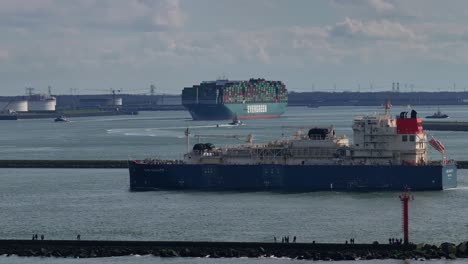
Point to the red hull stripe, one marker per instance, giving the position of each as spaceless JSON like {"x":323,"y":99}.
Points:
{"x":241,"y":117}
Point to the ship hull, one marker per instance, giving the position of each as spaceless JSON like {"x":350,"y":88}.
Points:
{"x":145,"y":177}
{"x":229,"y":111}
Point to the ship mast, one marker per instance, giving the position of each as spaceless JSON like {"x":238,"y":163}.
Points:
{"x":187,"y":136}
{"x":388,"y":105}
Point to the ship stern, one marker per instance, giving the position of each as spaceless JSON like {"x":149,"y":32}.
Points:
{"x":449,"y":176}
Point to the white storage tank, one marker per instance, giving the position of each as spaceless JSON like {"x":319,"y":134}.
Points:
{"x":41,"y":103}
{"x":13,"y":105}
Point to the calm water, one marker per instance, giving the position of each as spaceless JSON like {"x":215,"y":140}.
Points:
{"x":96,"y":203}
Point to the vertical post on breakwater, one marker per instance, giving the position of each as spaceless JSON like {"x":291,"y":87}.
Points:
{"x":404,"y":198}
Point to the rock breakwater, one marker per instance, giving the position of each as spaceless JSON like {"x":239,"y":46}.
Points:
{"x":311,"y":251}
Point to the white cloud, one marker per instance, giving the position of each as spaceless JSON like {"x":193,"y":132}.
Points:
{"x":117,"y":15}
{"x":24,"y":7}
{"x":92,"y":38}
{"x":169,"y":14}
{"x":4,"y":55}
{"x":381,"y":5}
{"x":376,"y":5}
{"x":382,"y":29}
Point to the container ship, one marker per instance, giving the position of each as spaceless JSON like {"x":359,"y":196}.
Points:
{"x":388,"y":153}
{"x":224,"y":99}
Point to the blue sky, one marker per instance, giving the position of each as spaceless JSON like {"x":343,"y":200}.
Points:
{"x":94,"y":45}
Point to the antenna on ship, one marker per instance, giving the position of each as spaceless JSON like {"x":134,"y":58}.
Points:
{"x":388,"y":105}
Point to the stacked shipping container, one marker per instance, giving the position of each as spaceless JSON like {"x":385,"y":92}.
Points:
{"x":255,"y":91}
{"x":252,"y":91}
{"x":224,"y":99}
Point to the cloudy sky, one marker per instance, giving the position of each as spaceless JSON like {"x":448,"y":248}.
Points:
{"x":93,"y":45}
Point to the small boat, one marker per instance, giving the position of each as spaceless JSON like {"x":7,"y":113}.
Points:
{"x":61,"y":119}
{"x":438,"y":114}
{"x":236,"y":122}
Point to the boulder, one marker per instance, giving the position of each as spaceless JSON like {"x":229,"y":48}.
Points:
{"x":185,"y":252}
{"x":262,"y":250}
{"x":420,"y":246}
{"x":462,"y":249}
{"x":166,"y":253}
{"x":448,"y":248}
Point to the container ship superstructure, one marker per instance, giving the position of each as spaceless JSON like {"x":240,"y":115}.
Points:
{"x":225,"y":99}
{"x":387,"y":153}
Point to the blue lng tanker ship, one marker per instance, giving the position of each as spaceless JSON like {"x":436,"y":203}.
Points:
{"x":388,"y":153}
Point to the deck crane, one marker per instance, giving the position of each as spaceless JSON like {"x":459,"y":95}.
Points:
{"x":248,"y":138}
{"x":300,"y":133}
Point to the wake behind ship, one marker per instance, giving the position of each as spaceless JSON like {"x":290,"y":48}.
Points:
{"x":388,"y":153}
{"x":224,"y":99}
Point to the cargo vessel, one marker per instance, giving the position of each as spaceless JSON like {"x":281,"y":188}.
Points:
{"x":225,"y":99}
{"x":388,"y":153}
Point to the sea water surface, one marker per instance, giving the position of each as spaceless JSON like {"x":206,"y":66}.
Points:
{"x":96,"y":203}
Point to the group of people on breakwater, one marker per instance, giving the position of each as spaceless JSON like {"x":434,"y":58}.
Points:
{"x":36,"y":237}
{"x":395,"y":241}
{"x":285,"y":239}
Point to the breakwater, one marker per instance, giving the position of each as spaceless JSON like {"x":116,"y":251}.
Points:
{"x":445,"y":125}
{"x":95,"y":164}
{"x":312,"y":251}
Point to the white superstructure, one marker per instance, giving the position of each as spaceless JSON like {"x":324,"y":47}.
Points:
{"x":378,"y":140}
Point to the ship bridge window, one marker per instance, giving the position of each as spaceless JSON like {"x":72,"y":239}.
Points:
{"x":412,"y":138}
{"x":404,"y":138}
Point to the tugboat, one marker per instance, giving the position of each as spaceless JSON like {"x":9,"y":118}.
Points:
{"x":438,"y":114}
{"x":61,"y":119}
